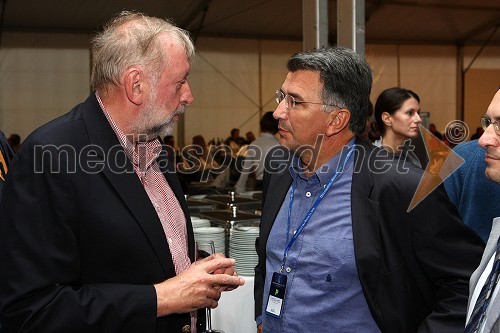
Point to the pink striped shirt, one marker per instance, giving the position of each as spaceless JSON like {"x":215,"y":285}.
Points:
{"x":143,"y":156}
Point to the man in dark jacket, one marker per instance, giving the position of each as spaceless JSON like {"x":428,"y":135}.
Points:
{"x":339,"y":249}
{"x":95,"y":233}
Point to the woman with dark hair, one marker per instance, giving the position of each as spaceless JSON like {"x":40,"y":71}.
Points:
{"x":397,"y":116}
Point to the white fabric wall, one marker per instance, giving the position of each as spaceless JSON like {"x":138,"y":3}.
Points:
{"x":41,"y":77}
{"x":430,"y":71}
{"x":228,"y":89}
{"x":233,"y":80}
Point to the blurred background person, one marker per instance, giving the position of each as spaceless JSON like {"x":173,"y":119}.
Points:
{"x":196,"y":153}
{"x":397,"y":116}
{"x":173,"y":152}
{"x":435,"y":132}
{"x":250,"y":137}
{"x":256,"y":153}
{"x":14,"y":141}
{"x":197,"y":162}
{"x":235,"y":141}
{"x":477,"y":134}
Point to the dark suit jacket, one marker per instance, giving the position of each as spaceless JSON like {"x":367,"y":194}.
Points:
{"x":492,"y":321}
{"x":6,"y":155}
{"x":414,"y":267}
{"x":81,"y":244}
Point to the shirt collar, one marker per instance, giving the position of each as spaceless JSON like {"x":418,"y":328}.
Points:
{"x":325,"y":172}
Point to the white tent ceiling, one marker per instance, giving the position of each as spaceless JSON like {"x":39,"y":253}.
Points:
{"x":454,"y":22}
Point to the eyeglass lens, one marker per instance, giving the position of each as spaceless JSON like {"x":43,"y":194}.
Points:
{"x":289,"y":100}
{"x":485,"y":122}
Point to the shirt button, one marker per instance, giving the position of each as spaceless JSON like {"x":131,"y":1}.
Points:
{"x":288,"y":269}
{"x":308,"y":194}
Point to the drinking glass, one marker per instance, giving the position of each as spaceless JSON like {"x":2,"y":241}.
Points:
{"x":209,"y":247}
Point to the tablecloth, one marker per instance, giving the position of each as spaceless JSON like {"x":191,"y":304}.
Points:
{"x":235,"y":313}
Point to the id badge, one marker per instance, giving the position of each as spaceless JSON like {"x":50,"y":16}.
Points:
{"x":276,"y":295}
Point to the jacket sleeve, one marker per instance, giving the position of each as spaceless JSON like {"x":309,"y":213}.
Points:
{"x":449,"y":252}
{"x":260,"y":269}
{"x":41,"y":288}
{"x":420,"y":280}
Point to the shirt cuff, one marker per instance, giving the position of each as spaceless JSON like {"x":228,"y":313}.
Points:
{"x":258,"y":320}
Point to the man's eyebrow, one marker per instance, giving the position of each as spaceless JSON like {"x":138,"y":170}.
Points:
{"x":495,"y":118}
{"x":296,"y":96}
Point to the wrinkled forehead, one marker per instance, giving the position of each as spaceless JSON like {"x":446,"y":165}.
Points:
{"x":302,"y":82}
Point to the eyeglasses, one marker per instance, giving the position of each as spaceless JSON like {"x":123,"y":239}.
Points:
{"x":485,"y":122}
{"x":291,"y":102}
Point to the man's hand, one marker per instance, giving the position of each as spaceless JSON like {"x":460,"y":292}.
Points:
{"x":227,"y":270}
{"x":197,"y":287}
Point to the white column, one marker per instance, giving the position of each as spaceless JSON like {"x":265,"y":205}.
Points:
{"x":351,"y":25}
{"x":314,"y":23}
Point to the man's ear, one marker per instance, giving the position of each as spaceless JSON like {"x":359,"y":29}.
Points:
{"x":133,"y":86}
{"x":339,"y":120}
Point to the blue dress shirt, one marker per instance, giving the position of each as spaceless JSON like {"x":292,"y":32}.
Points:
{"x":323,"y":292}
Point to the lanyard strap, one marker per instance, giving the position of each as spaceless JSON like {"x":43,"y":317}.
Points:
{"x":311,"y":211}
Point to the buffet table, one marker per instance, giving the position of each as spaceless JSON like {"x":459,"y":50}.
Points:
{"x":235,"y":313}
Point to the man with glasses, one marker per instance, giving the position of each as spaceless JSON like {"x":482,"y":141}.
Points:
{"x":483,"y":313}
{"x":338,"y":249}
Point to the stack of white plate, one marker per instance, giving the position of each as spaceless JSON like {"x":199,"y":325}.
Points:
{"x":242,"y":249}
{"x":215,"y":234}
{"x":199,"y":222}
{"x":249,"y":194}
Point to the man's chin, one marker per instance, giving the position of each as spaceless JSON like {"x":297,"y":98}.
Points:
{"x":284,"y":143}
{"x":153,"y":134}
{"x":168,"y":129}
{"x":492,"y":174}
{"x":288,"y":145}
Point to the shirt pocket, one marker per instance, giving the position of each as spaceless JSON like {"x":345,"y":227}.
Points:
{"x":333,"y":267}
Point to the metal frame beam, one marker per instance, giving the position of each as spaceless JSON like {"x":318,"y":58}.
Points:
{"x":351,"y":25}
{"x":314,"y":24}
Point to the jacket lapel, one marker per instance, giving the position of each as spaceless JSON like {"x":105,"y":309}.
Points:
{"x":277,"y":181}
{"x":120,"y":174}
{"x":494,"y":307}
{"x":278,"y":188}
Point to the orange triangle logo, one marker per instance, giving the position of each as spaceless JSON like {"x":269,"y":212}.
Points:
{"x":443,"y":161}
